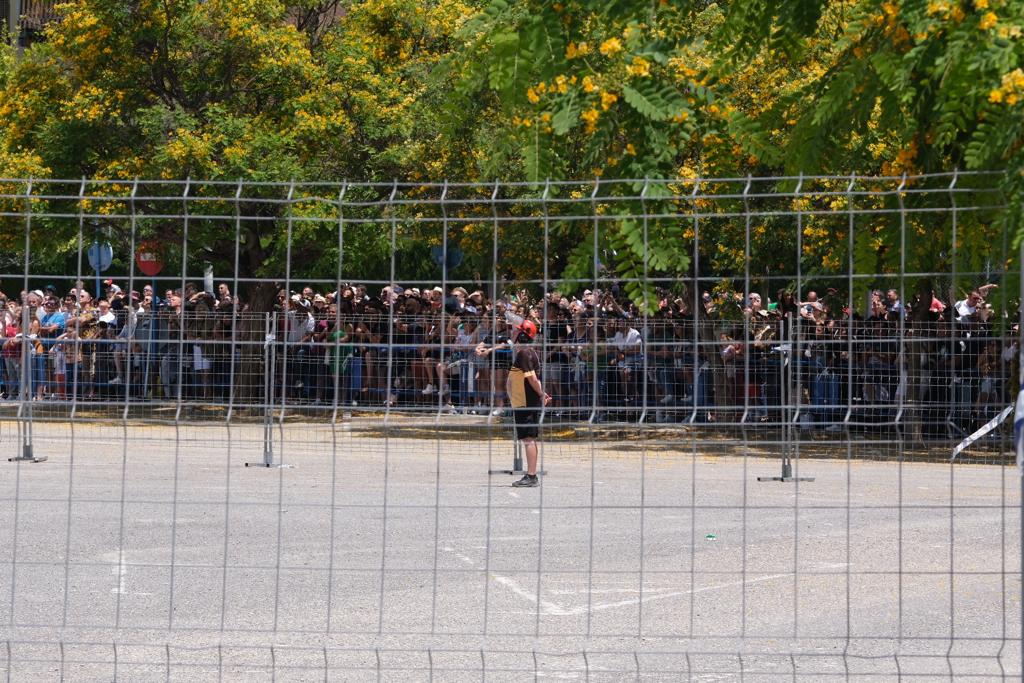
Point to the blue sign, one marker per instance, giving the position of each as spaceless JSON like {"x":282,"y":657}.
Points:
{"x":100,"y":256}
{"x":451,"y":259}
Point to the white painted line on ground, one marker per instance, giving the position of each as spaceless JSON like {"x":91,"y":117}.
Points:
{"x":675,"y":594}
{"x":547,"y":607}
{"x":598,"y":591}
{"x":460,"y":556}
{"x":121,"y":571}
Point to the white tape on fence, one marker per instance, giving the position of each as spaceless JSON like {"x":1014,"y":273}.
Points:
{"x":985,"y":429}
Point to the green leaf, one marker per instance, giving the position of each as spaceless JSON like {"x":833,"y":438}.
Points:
{"x":538,"y":157}
{"x":646,"y":102}
{"x":566,"y":117}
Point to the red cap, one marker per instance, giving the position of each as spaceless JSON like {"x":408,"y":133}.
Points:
{"x":528,"y":327}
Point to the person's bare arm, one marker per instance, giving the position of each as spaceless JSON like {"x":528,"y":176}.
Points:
{"x":537,"y":387}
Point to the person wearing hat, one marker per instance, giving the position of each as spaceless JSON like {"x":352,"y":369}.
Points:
{"x":526,"y":394}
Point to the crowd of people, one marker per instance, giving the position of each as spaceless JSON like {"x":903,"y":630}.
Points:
{"x":742,"y":357}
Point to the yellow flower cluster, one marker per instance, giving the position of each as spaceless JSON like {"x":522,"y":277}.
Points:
{"x":639,"y":67}
{"x":1011,"y":90}
{"x":562,"y":83}
{"x":611,"y":47}
{"x":575,"y":50}
{"x":588,"y":84}
{"x":904,"y":161}
{"x":988,"y":20}
{"x":607,"y":100}
{"x":590,"y":117}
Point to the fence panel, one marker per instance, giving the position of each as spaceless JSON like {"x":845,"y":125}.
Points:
{"x":272,"y":435}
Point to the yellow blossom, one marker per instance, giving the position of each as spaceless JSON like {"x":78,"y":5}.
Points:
{"x":631,"y":150}
{"x":640,"y":67}
{"x":574,"y":50}
{"x":996,"y":96}
{"x":610,"y":47}
{"x":588,"y":84}
{"x":531,"y":95}
{"x":590,"y":117}
{"x":957,"y":14}
{"x":607,"y":100}
{"x":980,"y":4}
{"x":988,"y":21}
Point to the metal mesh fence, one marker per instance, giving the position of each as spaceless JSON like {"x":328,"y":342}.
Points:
{"x":777,"y":445}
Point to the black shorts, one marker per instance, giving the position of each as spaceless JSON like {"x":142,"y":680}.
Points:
{"x":526,"y":420}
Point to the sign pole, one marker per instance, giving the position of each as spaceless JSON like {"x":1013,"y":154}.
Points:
{"x":96,"y":262}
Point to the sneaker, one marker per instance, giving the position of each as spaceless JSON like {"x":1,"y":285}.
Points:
{"x":668,"y":399}
{"x":116,"y":380}
{"x":497,"y":412}
{"x":428,"y":390}
{"x":528,"y":480}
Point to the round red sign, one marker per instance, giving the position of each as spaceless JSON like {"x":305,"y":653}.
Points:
{"x":149,"y":258}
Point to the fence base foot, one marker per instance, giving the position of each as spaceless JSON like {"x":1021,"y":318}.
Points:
{"x":785,"y":478}
{"x":515,"y":472}
{"x":269,"y":465}
{"x":26,"y":455}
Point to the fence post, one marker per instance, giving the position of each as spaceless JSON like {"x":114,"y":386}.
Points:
{"x":269,"y":374}
{"x":26,"y":385}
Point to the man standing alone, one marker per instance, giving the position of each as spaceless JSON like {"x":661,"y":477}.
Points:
{"x":526,"y":394}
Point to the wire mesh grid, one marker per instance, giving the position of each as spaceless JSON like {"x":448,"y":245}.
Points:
{"x":757,"y":386}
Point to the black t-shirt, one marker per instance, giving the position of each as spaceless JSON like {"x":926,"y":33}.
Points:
{"x":525,"y":365}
